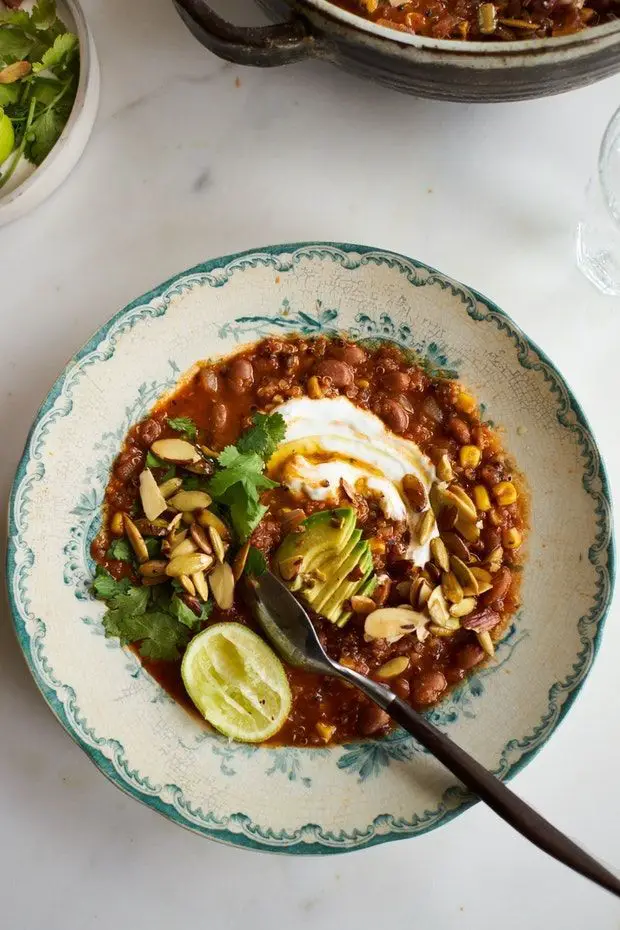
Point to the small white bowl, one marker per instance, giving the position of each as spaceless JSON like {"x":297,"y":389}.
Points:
{"x":35,"y":188}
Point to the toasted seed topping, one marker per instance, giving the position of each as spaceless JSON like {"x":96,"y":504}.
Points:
{"x":437,"y":607}
{"x":117,"y":525}
{"x":392,"y":623}
{"x":154,"y":568}
{"x":153,"y":502}
{"x":439,"y":553}
{"x":202,"y":587}
{"x":466,"y":579}
{"x":200,"y":538}
{"x":451,"y":588}
{"x":216,"y":542}
{"x":188,"y":585}
{"x":170,"y":487}
{"x":188,"y":501}
{"x":188,"y":564}
{"x":444,"y":468}
{"x":222,"y":585}
{"x":176,"y":450}
{"x":136,"y":539}
{"x":183,"y":547}
{"x":206,"y":518}
{"x":456,"y":546}
{"x":393,"y":668}
{"x":464,"y":607}
{"x":362,"y":605}
{"x":486,"y":642}
{"x":240,"y":560}
{"x":426,"y":525}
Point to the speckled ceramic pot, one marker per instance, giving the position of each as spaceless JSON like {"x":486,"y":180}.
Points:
{"x":288,"y":799}
{"x":447,"y":70}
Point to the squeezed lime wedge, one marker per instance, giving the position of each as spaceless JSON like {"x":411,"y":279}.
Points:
{"x":7,"y":136}
{"x":237,"y":682}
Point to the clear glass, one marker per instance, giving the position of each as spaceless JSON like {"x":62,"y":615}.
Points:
{"x":598,"y":233}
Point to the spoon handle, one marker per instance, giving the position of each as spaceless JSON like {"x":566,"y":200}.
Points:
{"x":489,"y":789}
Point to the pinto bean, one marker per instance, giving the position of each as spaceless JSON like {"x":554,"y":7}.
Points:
{"x":394,"y":416}
{"x":428,"y":687}
{"x":240,"y":375}
{"x":373,"y":719}
{"x":459,"y":429}
{"x":400,"y":687}
{"x":470,"y":656}
{"x":352,"y":355}
{"x":149,"y":431}
{"x":491,"y":474}
{"x":396,"y":381}
{"x":127,"y":464}
{"x":219,"y":416}
{"x":209,"y":381}
{"x":501,"y":585}
{"x":340,"y":373}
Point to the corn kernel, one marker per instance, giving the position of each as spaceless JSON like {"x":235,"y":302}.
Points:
{"x":377,"y":545}
{"x":117,"y":524}
{"x":481,"y":498}
{"x":505,"y":493}
{"x":314,"y":388}
{"x":469,"y":456}
{"x":465,"y":402}
{"x":325,"y":730}
{"x":363,"y":383}
{"x":512,"y":538}
{"x":495,"y":517}
{"x":444,"y":468}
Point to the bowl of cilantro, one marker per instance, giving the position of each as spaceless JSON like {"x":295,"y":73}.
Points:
{"x":49,"y":95}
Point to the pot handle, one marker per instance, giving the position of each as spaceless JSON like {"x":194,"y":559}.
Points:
{"x":261,"y":46}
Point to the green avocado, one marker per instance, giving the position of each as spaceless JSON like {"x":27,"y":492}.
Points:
{"x":327,"y":562}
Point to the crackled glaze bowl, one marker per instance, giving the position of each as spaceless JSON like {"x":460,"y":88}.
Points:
{"x":285,"y":799}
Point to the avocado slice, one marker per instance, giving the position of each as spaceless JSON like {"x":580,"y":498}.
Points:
{"x":318,"y":561}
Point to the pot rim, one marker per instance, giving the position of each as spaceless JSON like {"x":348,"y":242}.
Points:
{"x":521,"y":48}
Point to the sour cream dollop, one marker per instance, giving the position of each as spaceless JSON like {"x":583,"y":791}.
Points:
{"x":330,"y":440}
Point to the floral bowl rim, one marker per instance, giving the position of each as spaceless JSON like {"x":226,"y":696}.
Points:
{"x":308,"y":839}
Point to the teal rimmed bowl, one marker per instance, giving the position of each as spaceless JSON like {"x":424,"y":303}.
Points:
{"x":284,"y":799}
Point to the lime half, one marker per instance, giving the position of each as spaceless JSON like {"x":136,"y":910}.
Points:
{"x":7,"y":136}
{"x":237,"y":682}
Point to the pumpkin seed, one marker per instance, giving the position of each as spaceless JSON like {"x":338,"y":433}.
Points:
{"x":206,"y":518}
{"x":150,"y":582}
{"x":486,"y":642}
{"x":456,"y":546}
{"x":464,"y":607}
{"x":153,"y":502}
{"x":484,"y":586}
{"x":494,"y":562}
{"x":437,"y":607}
{"x":468,"y":530}
{"x":439,"y":554}
{"x":393,"y":668}
{"x":292,"y":520}
{"x":174,"y":522}
{"x":362,"y":605}
{"x":403,"y":589}
{"x":240,"y":560}
{"x":188,"y":517}
{"x":154,"y":568}
{"x":444,"y":468}
{"x":451,"y":588}
{"x":216,"y":542}
{"x":392,"y":623}
{"x":480,"y":574}
{"x":463,"y":502}
{"x":200,"y":538}
{"x":188,"y":585}
{"x":382,"y":589}
{"x":289,"y":568}
{"x":464,"y":575}
{"x":449,"y":629}
{"x":117,"y":526}
{"x":433,"y":573}
{"x":152,"y":527}
{"x":446,"y":518}
{"x":136,"y":539}
{"x":202,"y":587}
{"x":176,"y":450}
{"x":170,"y":487}
{"x":222,"y":585}
{"x":188,"y":501}
{"x":425,"y":527}
{"x":188,"y":564}
{"x":183,"y":547}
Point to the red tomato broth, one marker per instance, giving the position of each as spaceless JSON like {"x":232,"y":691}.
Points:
{"x":222,"y":405}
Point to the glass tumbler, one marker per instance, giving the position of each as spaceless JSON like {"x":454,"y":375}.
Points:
{"x":598,"y":232}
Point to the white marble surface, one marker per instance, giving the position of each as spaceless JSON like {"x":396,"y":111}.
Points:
{"x":193,"y":158}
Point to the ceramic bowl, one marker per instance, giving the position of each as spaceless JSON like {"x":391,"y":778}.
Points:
{"x":19,"y":199}
{"x":478,"y":72}
{"x":286,"y":799}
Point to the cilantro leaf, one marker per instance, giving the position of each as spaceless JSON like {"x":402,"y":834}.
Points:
{"x":195,"y":483}
{"x":9,"y":93}
{"x":58,"y":56}
{"x":255,"y":564}
{"x":184,"y":614}
{"x":153,"y":461}
{"x":15,"y":44}
{"x":159,"y":635}
{"x":153,"y":546}
{"x":43,"y":15}
{"x":121,"y":550}
{"x":184,"y":425}
{"x":106,"y":587}
{"x":44,"y":133}
{"x":247,"y":468}
{"x":264,"y":436}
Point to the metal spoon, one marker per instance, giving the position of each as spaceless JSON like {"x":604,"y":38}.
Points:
{"x":289,"y":628}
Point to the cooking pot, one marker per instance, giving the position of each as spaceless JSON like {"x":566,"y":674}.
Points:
{"x":437,"y":68}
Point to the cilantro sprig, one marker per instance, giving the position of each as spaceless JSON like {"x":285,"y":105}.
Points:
{"x":39,"y":75}
{"x":185,"y":426}
{"x":240,"y":480}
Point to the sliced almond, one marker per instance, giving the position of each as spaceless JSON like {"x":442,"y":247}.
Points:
{"x":206,"y":518}
{"x":439,"y":554}
{"x":154,"y":568}
{"x":216,"y":542}
{"x":464,"y":575}
{"x":188,"y":585}
{"x":15,"y":72}
{"x":183,"y":547}
{"x":240,"y":560}
{"x":136,"y":539}
{"x":392,"y":623}
{"x":153,"y":501}
{"x":174,"y":522}
{"x":170,"y":487}
{"x":486,"y":642}
{"x":438,"y":608}
{"x":425,"y":527}
{"x":464,"y":607}
{"x":449,"y":628}
{"x":451,"y":588}
{"x":423,"y":593}
{"x":188,"y":564}
{"x":200,"y":538}
{"x":362,"y":605}
{"x":494,"y":561}
{"x":222,"y":585}
{"x":176,"y":450}
{"x":188,"y":501}
{"x":456,"y":546}
{"x":202,"y":586}
{"x":393,"y":668}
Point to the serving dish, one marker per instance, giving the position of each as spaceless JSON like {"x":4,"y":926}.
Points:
{"x":361,"y":793}
{"x":443,"y":69}
{"x":27,"y":189}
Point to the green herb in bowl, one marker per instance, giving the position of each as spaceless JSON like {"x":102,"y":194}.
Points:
{"x":39,"y":73}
